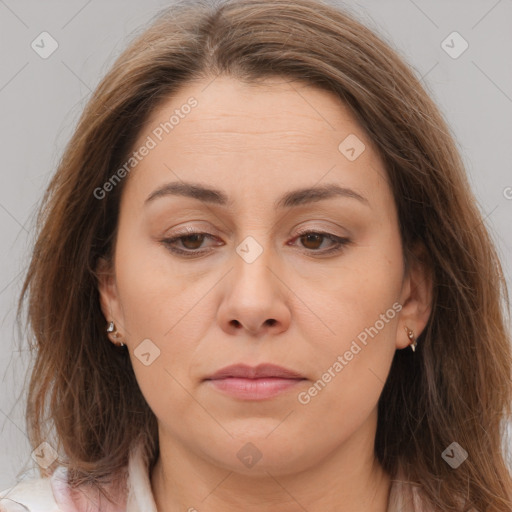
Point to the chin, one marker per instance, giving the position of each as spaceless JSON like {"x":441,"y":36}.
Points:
{"x":261,"y":454}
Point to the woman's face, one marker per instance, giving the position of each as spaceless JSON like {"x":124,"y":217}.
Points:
{"x":253,"y":288}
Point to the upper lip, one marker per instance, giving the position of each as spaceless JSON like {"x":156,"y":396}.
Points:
{"x":255,"y":372}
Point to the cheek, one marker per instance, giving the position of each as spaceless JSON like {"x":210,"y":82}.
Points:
{"x":365,"y":282}
{"x":161,"y":305}
{"x":160,"y":330}
{"x":152,"y":294}
{"x":359,"y":304}
{"x":152,"y":304}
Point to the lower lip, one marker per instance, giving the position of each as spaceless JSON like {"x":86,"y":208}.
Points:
{"x":254,"y":389}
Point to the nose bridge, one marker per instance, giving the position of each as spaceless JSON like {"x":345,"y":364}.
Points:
{"x":254,"y":259}
{"x":257,"y":260}
{"x":255,"y":232}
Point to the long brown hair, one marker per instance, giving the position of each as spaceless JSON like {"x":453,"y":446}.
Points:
{"x":456,"y":387}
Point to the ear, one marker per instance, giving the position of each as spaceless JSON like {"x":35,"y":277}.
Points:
{"x":109,"y":297}
{"x":416,"y":296}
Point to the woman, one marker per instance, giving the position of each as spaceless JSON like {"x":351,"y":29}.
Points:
{"x":261,"y":282}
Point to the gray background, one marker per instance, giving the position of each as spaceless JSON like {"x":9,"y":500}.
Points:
{"x":40,"y":101}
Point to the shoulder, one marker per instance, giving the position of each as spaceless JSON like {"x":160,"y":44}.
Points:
{"x":35,"y":495}
{"x":53,"y":494}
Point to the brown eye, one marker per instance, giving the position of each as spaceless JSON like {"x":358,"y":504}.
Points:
{"x":313,"y":243}
{"x":312,"y":240}
{"x":192,"y":242}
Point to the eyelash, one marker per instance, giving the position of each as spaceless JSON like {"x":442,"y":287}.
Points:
{"x":340,"y":243}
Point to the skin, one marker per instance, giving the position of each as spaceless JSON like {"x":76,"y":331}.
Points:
{"x":255,"y":143}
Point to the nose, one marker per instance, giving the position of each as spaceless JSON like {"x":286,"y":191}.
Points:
{"x":255,"y":300}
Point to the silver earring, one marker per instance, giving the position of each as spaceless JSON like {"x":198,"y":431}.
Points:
{"x":113,"y":334}
{"x":411,"y":337}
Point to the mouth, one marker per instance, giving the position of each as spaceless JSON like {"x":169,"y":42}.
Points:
{"x":254,"y":383}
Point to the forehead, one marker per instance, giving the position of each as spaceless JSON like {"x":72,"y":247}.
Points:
{"x":265,"y":136}
{"x":245,"y":111}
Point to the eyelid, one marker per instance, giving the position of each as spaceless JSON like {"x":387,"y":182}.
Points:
{"x":313,"y":229}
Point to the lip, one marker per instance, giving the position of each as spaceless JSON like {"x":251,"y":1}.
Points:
{"x":254,"y":382}
{"x":264,"y":370}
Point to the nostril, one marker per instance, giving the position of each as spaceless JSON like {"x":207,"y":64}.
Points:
{"x":270,"y":322}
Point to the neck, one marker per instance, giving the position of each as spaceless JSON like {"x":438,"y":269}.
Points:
{"x":348,"y":480}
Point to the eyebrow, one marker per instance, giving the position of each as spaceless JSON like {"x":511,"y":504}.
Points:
{"x":291,"y":199}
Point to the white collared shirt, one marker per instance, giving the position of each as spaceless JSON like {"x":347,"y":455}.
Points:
{"x":53,"y":494}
